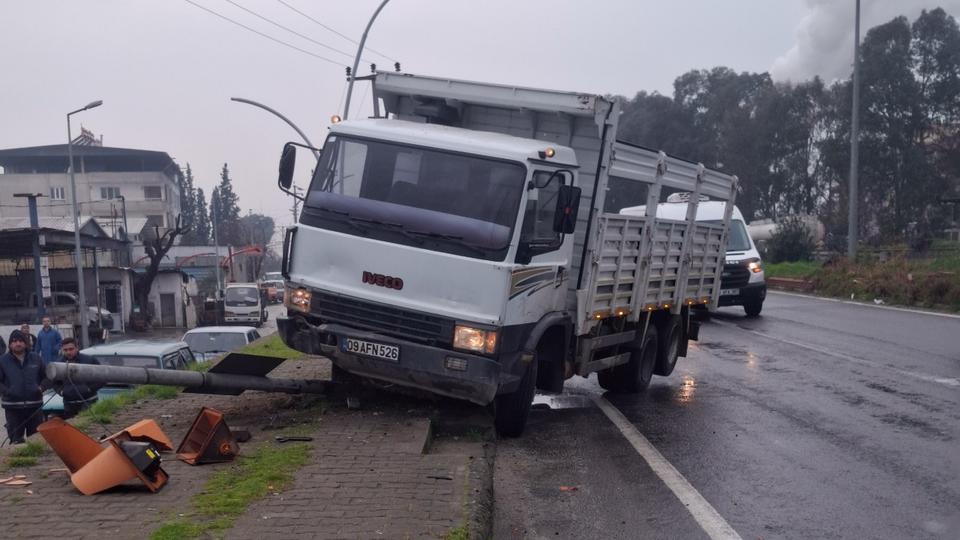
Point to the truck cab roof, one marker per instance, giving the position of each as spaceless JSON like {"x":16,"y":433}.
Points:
{"x":456,"y":139}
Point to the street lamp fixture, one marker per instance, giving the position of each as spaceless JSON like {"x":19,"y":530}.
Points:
{"x":77,"y":256}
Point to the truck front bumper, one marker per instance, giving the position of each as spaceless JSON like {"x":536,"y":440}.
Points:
{"x":420,"y":366}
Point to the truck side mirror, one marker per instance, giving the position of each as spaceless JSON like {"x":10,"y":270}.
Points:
{"x":568,"y":204}
{"x":288,"y":159}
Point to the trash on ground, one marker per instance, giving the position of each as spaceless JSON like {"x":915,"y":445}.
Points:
{"x":283,"y":439}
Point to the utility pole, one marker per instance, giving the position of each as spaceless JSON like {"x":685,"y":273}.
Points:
{"x":77,"y":255}
{"x":216,"y":247}
{"x":853,"y":217}
{"x":37,"y":271}
{"x":296,"y":202}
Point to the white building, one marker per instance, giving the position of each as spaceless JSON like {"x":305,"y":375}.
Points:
{"x":113,"y":184}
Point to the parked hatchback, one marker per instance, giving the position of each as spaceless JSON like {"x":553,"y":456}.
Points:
{"x":130,"y":353}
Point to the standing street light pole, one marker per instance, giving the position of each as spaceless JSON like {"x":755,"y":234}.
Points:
{"x":853,"y":217}
{"x":77,"y":258}
{"x":356,"y":60}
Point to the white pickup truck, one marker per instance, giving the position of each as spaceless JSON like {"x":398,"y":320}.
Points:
{"x":467,"y":241}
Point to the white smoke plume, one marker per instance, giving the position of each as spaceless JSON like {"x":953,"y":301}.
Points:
{"x":824,"y":38}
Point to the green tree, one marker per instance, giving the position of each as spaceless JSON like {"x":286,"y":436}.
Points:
{"x":200,"y":234}
{"x":225,"y":209}
{"x":258,"y":229}
{"x":188,"y":201}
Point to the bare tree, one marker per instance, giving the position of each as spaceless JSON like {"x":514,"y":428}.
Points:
{"x":156,"y":246}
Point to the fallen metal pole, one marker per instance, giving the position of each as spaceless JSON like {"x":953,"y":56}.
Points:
{"x":213,"y":383}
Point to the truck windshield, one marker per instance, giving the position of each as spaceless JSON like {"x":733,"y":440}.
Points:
{"x":427,"y":198}
{"x":241,"y":296}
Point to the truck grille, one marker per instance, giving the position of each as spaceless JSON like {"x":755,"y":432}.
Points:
{"x":383,"y":319}
{"x":734,"y":276}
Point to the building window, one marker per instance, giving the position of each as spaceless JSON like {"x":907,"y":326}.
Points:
{"x":155,"y":221}
{"x":57,"y":194}
{"x":109,"y":193}
{"x":153,"y":193}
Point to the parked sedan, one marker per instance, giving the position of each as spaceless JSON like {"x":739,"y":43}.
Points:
{"x":209,"y":342}
{"x":131,"y":353}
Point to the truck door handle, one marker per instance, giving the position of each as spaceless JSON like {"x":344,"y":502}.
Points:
{"x":288,"y":236}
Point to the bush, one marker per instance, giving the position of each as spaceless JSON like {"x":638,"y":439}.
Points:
{"x":792,"y":241}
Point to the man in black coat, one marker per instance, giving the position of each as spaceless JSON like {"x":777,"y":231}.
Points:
{"x":22,"y":382}
{"x":76,"y":395}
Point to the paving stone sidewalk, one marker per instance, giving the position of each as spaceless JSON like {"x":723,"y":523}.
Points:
{"x":366,"y":477}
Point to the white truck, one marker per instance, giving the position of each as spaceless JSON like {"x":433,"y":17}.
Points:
{"x":466,"y":241}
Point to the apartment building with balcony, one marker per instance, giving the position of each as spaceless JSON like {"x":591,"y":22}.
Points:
{"x":117,"y":186}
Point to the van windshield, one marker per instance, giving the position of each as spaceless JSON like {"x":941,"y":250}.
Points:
{"x":432,"y":199}
{"x":737,"y":240}
{"x":241,"y":296}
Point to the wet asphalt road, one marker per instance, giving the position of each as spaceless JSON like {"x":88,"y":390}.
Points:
{"x":818,"y":419}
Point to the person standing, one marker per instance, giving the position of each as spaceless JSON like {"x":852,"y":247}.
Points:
{"x":48,"y":342}
{"x":76,"y":396}
{"x":22,"y":384}
{"x":31,"y":339}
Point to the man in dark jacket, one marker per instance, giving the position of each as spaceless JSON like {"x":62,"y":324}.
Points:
{"x":31,"y":339}
{"x":76,"y":395}
{"x":22,"y":383}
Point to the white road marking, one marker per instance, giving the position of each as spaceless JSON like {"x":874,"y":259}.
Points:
{"x":947,"y":381}
{"x":706,"y":516}
{"x":861,"y":304}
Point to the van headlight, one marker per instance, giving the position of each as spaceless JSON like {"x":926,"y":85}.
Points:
{"x":755,"y":265}
{"x":298,"y":299}
{"x":474,"y":339}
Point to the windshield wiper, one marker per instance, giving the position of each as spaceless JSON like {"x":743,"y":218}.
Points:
{"x":395,"y":226}
{"x":348,"y":219}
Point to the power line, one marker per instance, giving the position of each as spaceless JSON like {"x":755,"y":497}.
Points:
{"x":348,"y":38}
{"x":259,"y":33}
{"x":288,"y":29}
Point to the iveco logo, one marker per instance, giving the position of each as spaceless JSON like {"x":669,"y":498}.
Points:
{"x":381,"y":280}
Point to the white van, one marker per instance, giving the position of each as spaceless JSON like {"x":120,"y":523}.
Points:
{"x":242,"y":304}
{"x":742,"y":282}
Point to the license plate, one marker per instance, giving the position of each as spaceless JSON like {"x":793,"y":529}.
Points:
{"x":369,"y":348}
{"x":729,"y":292}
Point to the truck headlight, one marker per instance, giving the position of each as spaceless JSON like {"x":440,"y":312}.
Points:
{"x":755,"y":265}
{"x":474,"y":339}
{"x":298,"y":299}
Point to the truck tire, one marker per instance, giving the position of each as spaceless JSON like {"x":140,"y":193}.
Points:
{"x":510,"y":411}
{"x":668,"y":348}
{"x":635,"y":375}
{"x":639,"y":370}
{"x":753,"y":307}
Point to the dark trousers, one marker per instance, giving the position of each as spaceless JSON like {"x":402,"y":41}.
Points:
{"x":73,"y":408}
{"x":22,"y":422}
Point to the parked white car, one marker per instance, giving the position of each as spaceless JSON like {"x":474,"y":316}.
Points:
{"x":209,"y":342}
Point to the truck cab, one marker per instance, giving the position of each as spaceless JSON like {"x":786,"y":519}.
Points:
{"x":243,"y":304}
{"x":420,"y":234}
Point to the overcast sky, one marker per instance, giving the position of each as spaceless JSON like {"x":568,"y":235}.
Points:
{"x":166,"y":69}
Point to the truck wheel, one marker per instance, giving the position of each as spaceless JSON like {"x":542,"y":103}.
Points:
{"x":753,"y":307}
{"x":510,"y":411}
{"x":669,"y":347}
{"x":639,"y":370}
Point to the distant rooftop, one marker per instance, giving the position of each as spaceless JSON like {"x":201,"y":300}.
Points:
{"x":53,"y":159}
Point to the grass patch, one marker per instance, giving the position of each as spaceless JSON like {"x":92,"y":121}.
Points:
{"x":229,"y":491}
{"x":14,"y":462}
{"x":796,"y":270}
{"x":103,"y":410}
{"x":461,"y":532}
{"x":26,"y":455}
{"x":271,"y":346}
